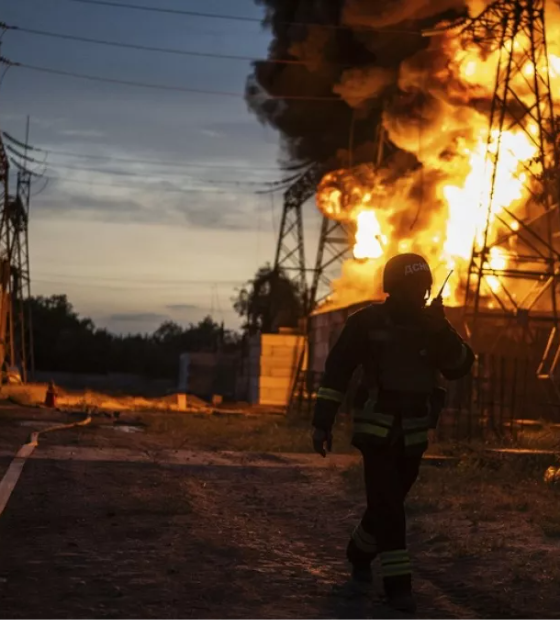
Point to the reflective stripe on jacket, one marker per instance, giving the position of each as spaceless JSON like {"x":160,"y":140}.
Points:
{"x":381,"y":428}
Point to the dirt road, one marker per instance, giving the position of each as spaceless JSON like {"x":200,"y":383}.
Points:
{"x":260,"y":538}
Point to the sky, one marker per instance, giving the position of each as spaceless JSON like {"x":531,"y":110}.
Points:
{"x":133,"y":243}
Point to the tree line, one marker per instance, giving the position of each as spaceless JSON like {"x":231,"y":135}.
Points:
{"x":65,"y":342}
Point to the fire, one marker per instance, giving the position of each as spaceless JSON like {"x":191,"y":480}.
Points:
{"x":369,"y":238}
{"x":497,"y":261}
{"x":452,"y":219}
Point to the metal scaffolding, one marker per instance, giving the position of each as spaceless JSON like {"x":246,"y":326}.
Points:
{"x":514,"y":270}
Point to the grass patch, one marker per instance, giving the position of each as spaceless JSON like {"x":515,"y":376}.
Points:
{"x":485,"y":503}
{"x":252,"y":433}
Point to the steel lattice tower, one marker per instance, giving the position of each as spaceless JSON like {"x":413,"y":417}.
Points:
{"x":21,"y":280}
{"x":6,"y":331}
{"x":528,"y":278}
{"x":16,"y":322}
{"x":335,"y":240}
{"x":290,"y":250}
{"x":335,"y":245}
{"x":333,"y":248}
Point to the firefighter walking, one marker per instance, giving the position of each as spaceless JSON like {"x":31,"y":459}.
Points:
{"x":402,"y":347}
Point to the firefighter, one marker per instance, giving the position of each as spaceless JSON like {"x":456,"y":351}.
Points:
{"x":402,"y":347}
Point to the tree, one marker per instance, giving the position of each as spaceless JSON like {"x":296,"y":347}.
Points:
{"x":65,"y":342}
{"x":269,"y":301}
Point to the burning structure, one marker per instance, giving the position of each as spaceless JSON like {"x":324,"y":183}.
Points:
{"x":433,"y":127}
{"x":461,"y":91}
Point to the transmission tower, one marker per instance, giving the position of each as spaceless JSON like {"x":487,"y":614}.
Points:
{"x":335,"y":245}
{"x":6,"y":339}
{"x":290,"y":252}
{"x":19,"y":333}
{"x":520,"y":288}
{"x":335,"y":240}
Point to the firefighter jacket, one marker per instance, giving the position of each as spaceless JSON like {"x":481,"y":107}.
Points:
{"x":402,"y":353}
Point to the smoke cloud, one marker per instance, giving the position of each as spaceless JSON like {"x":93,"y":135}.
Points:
{"x":371,"y":53}
{"x":343,"y":55}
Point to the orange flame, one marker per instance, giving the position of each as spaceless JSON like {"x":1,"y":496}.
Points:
{"x":369,"y":239}
{"x":463,"y":184}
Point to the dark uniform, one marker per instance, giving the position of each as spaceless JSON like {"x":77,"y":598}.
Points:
{"x":402,"y":347}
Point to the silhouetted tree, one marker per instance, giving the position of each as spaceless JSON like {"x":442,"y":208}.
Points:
{"x":65,"y":342}
{"x":269,"y":301}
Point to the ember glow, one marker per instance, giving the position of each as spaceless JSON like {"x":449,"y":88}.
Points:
{"x":441,"y":207}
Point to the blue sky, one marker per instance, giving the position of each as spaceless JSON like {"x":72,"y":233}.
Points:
{"x":131,"y":243}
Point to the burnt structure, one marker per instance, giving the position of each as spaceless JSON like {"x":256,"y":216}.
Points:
{"x":526,"y":298}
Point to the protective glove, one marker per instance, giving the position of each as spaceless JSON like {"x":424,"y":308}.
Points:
{"x":322,"y":441}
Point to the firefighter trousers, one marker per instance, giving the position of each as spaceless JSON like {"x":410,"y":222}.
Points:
{"x":389,"y":475}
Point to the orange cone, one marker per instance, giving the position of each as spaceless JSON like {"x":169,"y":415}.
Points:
{"x":50,"y":398}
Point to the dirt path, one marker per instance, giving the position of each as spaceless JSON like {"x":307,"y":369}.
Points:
{"x":83,"y":538}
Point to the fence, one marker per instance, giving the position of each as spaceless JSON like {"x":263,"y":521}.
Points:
{"x":499,"y":399}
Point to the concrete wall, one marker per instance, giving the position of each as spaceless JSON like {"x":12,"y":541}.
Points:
{"x":271,"y":365}
{"x":208,"y":374}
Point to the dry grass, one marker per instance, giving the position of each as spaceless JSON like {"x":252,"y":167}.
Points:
{"x":252,"y":433}
{"x":186,"y":431}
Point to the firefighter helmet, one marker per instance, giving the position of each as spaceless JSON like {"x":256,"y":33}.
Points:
{"x":406,"y":271}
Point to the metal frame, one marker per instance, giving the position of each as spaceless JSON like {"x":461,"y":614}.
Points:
{"x":15,"y":315}
{"x":290,"y":249}
{"x":6,"y":326}
{"x":516,"y":30}
{"x":333,"y":248}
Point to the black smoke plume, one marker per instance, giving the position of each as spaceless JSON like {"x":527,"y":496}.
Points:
{"x":341,"y":56}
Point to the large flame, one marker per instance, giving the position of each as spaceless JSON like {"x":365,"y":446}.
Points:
{"x":369,"y":238}
{"x":393,"y":215}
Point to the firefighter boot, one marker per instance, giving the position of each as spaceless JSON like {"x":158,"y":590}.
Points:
{"x":362,"y":577}
{"x":361,"y":574}
{"x":358,"y":584}
{"x":402,"y":601}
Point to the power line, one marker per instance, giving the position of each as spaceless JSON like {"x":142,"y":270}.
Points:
{"x":156,"y":162}
{"x":142,"y":284}
{"x":138,"y":187}
{"x":196,"y":91}
{"x":162,"y":50}
{"x":153,"y":162}
{"x":241,"y":18}
{"x":153,"y":9}
{"x":156,"y":280}
{"x":119,"y":287}
{"x":139,"y":175}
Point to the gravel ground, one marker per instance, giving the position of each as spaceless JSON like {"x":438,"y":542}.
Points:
{"x":151,"y":539}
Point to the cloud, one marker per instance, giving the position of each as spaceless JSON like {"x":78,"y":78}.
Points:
{"x":182,"y":307}
{"x":138,"y":316}
{"x":82,"y":133}
{"x":159,"y":202}
{"x":83,"y":206}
